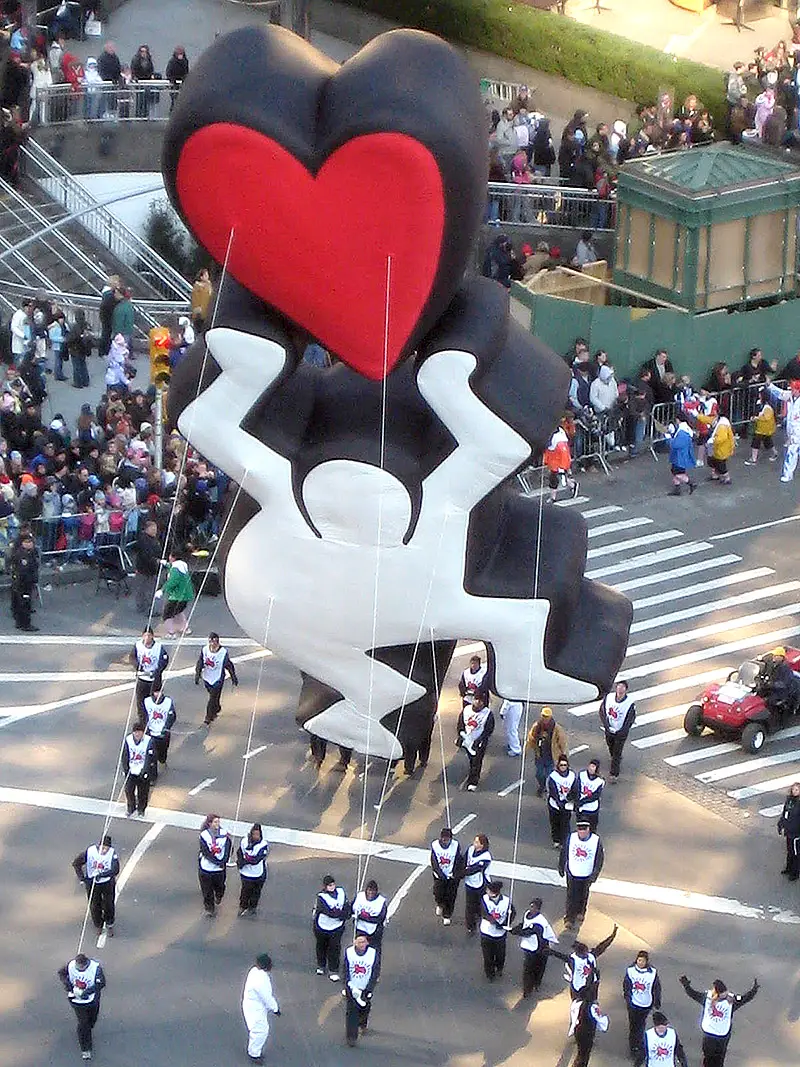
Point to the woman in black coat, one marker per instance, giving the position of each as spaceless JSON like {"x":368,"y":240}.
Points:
{"x":79,"y":346}
{"x":142,"y":70}
{"x":789,"y":826}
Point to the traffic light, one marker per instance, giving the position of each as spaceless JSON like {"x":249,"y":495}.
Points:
{"x":159,"y":355}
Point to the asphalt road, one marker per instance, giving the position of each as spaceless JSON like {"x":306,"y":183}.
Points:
{"x":691,"y":873}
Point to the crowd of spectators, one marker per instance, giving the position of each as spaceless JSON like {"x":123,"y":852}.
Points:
{"x":763,"y":97}
{"x":88,"y":488}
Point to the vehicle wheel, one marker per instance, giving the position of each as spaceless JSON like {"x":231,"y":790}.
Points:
{"x":753,"y":737}
{"x":693,"y":721}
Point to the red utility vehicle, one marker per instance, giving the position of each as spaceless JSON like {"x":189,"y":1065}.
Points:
{"x":737,"y":708}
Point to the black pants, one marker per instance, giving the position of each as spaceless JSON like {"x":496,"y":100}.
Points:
{"x":584,"y":1040}
{"x":494,"y":955}
{"x":144,"y":689}
{"x":212,"y":886}
{"x":792,"y":856}
{"x":472,"y":908}
{"x":329,"y":948}
{"x":592,"y":817}
{"x":637,"y":1021}
{"x":101,"y":902}
{"x":145,"y":585}
{"x":615,"y":743}
{"x":476,"y":763}
{"x":137,"y":793}
{"x":533,"y":966}
{"x":21,"y":607}
{"x":559,"y":824}
{"x":250,"y":893}
{"x":445,"y":891}
{"x":213,"y":707}
{"x":577,"y":897}
{"x":355,"y":1017}
{"x":714,"y":1049}
{"x":420,"y":750}
{"x":161,"y":746}
{"x":87,"y":1016}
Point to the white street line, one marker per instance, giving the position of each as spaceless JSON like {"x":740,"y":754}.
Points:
{"x":752,"y":529}
{"x":402,"y":892}
{"x":659,"y":739}
{"x":576,"y":750}
{"x":114,"y":641}
{"x":634,"y":542}
{"x":572,"y":503}
{"x":767,"y":640}
{"x":712,"y":629}
{"x":596,"y":513}
{"x":510,"y":788}
{"x":703,"y":753}
{"x":762,"y":593}
{"x":255,"y":752}
{"x":203,"y":785}
{"x":130,"y":866}
{"x":614,"y":527}
{"x":660,"y":715}
{"x":65,"y":676}
{"x":677,"y":572}
{"x":772,"y":786}
{"x":770,"y":813}
{"x":650,"y":559}
{"x":733,"y":770}
{"x":384,"y":850}
{"x":473,"y":648}
{"x":16,"y":713}
{"x":693,"y":681}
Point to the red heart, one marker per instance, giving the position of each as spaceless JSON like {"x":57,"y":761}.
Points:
{"x":323,"y":249}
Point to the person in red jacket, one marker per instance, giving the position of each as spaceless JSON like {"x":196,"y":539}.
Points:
{"x":558,"y":460}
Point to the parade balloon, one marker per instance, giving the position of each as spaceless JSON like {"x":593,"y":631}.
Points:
{"x":379,"y":519}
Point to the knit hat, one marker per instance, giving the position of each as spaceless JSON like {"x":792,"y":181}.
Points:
{"x":606,"y":372}
{"x":264,"y":961}
{"x":547,"y":713}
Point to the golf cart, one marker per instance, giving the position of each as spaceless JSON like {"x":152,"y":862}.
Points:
{"x":741,"y":707}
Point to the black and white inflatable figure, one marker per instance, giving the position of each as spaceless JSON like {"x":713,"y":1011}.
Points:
{"x":379,"y":519}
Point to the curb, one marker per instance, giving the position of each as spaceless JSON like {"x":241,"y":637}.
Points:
{"x":67,"y":574}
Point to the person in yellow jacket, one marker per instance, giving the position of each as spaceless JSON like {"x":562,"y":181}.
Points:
{"x":719,"y":448}
{"x":764,"y":425}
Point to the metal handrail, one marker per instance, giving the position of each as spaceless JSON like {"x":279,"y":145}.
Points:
{"x":105,"y":226}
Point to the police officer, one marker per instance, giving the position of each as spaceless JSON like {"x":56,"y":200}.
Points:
{"x":84,"y":980}
{"x":98,"y":868}
{"x":581,"y":860}
{"x":138,"y":763}
{"x":24,"y":562}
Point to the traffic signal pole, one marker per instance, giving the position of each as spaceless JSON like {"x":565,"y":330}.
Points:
{"x":159,"y":426}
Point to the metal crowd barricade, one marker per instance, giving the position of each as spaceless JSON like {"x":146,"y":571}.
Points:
{"x":550,"y":205}
{"x":138,"y":101}
{"x":48,"y":532}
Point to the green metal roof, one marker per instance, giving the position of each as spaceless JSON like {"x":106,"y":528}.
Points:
{"x":701,"y":171}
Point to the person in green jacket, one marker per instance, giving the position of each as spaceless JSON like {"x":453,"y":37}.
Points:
{"x":122,"y":317}
{"x":177,"y":592}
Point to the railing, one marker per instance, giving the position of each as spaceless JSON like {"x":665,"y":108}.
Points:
{"x":551,"y":206}
{"x":104,"y":102}
{"x":114,"y":235}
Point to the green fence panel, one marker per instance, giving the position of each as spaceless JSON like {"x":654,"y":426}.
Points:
{"x":611,"y":330}
{"x":558,"y":322}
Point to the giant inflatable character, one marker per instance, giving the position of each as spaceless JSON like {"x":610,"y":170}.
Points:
{"x":378,"y":520}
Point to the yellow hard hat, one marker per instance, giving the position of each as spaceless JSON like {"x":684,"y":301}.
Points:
{"x":779,"y":651}
{"x":547,"y":713}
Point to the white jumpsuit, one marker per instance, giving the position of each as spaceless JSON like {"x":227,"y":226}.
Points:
{"x":792,"y":429}
{"x":258,"y":1001}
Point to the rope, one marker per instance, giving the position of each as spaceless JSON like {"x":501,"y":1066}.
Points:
{"x":382,"y":457}
{"x":537,"y":564}
{"x":253,"y":713}
{"x":109,"y":816}
{"x":441,"y":734}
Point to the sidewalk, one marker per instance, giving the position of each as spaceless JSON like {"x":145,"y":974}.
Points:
{"x":706,"y":38}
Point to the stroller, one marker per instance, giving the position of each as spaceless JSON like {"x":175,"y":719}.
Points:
{"x":112,"y":571}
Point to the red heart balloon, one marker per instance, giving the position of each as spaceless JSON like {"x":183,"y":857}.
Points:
{"x":350,"y":253}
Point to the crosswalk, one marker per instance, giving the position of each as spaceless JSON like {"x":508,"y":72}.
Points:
{"x":699,"y":610}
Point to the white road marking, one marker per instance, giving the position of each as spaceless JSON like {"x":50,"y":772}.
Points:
{"x":752,"y":529}
{"x":614,"y":527}
{"x":596,"y":513}
{"x":734,"y":770}
{"x":659,"y":739}
{"x":660,"y":715}
{"x":634,"y":542}
{"x":692,"y":681}
{"x":203,"y":785}
{"x":769,"y":639}
{"x":473,"y":648}
{"x":126,"y":872}
{"x":762,"y":593}
{"x":572,"y":503}
{"x":712,"y":629}
{"x":772,"y":786}
{"x":703,"y":753}
{"x":114,"y":641}
{"x":255,"y":752}
{"x":771,"y":813}
{"x":677,"y":572}
{"x":402,"y":892}
{"x":16,"y":713}
{"x":65,"y":676}
{"x":650,"y":559}
{"x":384,"y":850}
{"x":576,"y":750}
{"x":510,"y":788}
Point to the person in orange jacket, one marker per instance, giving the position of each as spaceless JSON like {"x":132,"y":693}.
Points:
{"x":558,"y":460}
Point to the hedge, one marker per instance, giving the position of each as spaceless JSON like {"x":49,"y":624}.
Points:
{"x":558,"y":45}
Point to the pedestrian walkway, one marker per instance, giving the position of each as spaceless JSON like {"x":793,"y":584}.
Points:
{"x":699,"y":611}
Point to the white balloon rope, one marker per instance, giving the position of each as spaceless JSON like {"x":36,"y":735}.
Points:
{"x":382,"y":458}
{"x":441,"y":734}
